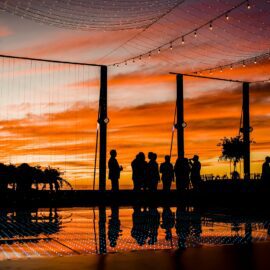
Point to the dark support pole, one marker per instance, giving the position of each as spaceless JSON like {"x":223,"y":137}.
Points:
{"x":246,"y":130}
{"x":103,"y":120}
{"x":180,"y":115}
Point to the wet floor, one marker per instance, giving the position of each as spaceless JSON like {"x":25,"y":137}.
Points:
{"x":75,"y":231}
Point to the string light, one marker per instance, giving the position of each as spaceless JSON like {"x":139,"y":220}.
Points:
{"x":183,"y":40}
{"x":171,"y":47}
{"x":91,"y":15}
{"x":248,"y":5}
{"x":243,"y":63}
{"x":168,"y":45}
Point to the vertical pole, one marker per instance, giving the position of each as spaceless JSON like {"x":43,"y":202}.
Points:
{"x":246,"y":130}
{"x":103,"y":120}
{"x":180,"y":115}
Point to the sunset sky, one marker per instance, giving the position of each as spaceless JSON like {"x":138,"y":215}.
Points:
{"x":49,"y":111}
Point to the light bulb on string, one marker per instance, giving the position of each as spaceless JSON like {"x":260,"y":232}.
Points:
{"x":158,"y":50}
{"x":227,"y":17}
{"x":231,"y":67}
{"x":149,"y":55}
{"x":255,"y":61}
{"x":221,"y":70}
{"x":183,"y":40}
{"x":195,"y":33}
{"x":248,"y":5}
{"x":244,"y":65}
{"x":211,"y":26}
{"x":171,"y":47}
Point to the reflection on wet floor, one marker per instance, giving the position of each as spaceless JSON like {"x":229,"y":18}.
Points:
{"x":71,"y":231}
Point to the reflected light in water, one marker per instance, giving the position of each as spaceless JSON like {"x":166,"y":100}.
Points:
{"x":73,"y":231}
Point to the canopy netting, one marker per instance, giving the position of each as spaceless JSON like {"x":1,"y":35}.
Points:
{"x":49,"y":117}
{"x":92,"y":15}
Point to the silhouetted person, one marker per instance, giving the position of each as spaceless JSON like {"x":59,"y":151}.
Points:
{"x":168,"y":221}
{"x":114,"y":226}
{"x":153,"y":176}
{"x":266,"y":170}
{"x":195,"y":173}
{"x":182,"y":171}
{"x":114,"y":170}
{"x":167,"y":173}
{"x":139,"y":166}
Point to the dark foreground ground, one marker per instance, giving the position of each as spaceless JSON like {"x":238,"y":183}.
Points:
{"x":249,"y":196}
{"x":253,"y":256}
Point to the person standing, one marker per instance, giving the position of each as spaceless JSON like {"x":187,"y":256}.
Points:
{"x":152,"y":172}
{"x":139,"y":171}
{"x":266,"y":170}
{"x":114,"y":170}
{"x":182,"y":171}
{"x":195,"y":173}
{"x":167,"y":173}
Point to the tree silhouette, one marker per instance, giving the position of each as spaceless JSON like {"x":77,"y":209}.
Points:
{"x":233,"y":149}
{"x":22,"y":177}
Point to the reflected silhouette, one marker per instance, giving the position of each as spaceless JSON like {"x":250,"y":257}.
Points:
{"x":146,"y":222}
{"x":114,"y":226}
{"x":153,"y":225}
{"x":139,"y":221}
{"x":168,"y":222}
{"x":182,"y":226}
{"x":16,"y":225}
{"x":102,"y":230}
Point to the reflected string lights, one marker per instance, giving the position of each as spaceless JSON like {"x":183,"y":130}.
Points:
{"x":52,"y":233}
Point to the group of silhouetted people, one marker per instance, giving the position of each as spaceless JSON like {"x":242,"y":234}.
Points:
{"x":147,"y":175}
